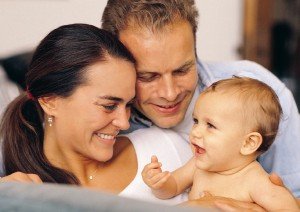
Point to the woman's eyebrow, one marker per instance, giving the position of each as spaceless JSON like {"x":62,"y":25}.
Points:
{"x":112,"y":98}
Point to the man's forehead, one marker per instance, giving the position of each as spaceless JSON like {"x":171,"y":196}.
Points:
{"x":176,"y":67}
{"x":153,"y":26}
{"x":141,"y":29}
{"x":159,"y":51}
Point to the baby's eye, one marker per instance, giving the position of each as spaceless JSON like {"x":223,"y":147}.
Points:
{"x":209,"y":125}
{"x":195,"y":121}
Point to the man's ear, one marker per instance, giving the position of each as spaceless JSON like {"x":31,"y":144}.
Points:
{"x":49,"y":104}
{"x":251,"y":143}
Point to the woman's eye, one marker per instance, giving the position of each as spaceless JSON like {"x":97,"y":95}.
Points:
{"x":195,"y":121}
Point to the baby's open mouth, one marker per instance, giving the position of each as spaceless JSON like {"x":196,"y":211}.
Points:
{"x":198,"y":149}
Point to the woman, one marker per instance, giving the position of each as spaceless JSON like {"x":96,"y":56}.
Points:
{"x":80,"y":84}
{"x":77,"y":101}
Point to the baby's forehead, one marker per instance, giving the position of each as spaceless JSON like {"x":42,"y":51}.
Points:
{"x":224,"y":95}
{"x":219,"y":101}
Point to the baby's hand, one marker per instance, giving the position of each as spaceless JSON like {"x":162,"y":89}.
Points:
{"x":153,"y":175}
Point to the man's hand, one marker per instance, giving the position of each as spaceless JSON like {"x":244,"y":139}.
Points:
{"x":223,"y":204}
{"x":21,"y":177}
{"x":234,"y":205}
{"x":153,"y":175}
{"x":275,"y":179}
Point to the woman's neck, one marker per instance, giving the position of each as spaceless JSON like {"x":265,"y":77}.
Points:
{"x":60,"y":156}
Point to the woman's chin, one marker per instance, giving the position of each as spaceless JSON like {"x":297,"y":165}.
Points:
{"x":103,"y":156}
{"x":103,"y":149}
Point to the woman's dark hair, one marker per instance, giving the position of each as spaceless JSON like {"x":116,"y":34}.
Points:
{"x":57,"y":68}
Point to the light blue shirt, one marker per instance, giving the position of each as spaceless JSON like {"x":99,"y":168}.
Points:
{"x":283,"y":156}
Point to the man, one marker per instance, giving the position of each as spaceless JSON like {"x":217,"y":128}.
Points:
{"x":161,"y":36}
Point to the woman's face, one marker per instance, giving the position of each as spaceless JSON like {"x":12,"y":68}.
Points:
{"x":86,"y":123}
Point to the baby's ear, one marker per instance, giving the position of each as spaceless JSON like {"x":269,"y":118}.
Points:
{"x":251,"y":143}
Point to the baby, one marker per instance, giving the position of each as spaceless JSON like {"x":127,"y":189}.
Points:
{"x":235,"y":120}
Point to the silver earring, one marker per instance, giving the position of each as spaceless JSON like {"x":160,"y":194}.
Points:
{"x":50,"y":121}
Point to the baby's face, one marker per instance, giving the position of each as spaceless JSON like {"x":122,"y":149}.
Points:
{"x":218,"y":132}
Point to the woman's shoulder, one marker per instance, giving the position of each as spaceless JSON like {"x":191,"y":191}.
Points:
{"x":122,"y":145}
{"x":151,"y":136}
{"x":147,"y":131}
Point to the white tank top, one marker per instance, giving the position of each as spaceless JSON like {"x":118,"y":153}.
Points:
{"x":171,"y":150}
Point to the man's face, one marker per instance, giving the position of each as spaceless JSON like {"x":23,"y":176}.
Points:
{"x":166,"y":71}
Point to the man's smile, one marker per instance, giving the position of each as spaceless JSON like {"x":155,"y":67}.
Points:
{"x":167,"y":109}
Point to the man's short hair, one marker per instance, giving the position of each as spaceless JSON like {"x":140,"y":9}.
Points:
{"x":152,"y":14}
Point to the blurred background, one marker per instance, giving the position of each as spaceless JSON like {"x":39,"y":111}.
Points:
{"x":267,"y":32}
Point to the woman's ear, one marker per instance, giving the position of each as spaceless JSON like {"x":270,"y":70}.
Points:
{"x":49,"y":104}
{"x":251,"y":143}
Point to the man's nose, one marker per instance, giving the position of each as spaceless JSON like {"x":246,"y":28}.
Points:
{"x":168,"y":88}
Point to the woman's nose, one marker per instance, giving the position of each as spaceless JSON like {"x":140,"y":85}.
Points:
{"x":122,"y":119}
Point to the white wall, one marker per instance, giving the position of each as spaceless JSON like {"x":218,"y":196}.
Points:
{"x":220,"y":29}
{"x":23,"y":23}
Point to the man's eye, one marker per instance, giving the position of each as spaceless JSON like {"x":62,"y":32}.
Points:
{"x":181,"y":72}
{"x":195,"y":121}
{"x":147,"y":77}
{"x":110,"y":107}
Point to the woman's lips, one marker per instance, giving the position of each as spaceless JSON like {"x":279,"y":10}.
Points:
{"x":106,"y":138}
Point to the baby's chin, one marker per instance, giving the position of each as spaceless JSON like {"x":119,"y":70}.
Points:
{"x":210,"y":167}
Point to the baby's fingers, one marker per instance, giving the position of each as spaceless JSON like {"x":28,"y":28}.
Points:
{"x":154,"y":165}
{"x":150,"y":167}
{"x":154,"y":159}
{"x":160,"y":179}
{"x":148,"y":174}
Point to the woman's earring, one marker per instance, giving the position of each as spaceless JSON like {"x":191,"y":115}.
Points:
{"x":50,"y":121}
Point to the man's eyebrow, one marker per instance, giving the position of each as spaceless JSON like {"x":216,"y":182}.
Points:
{"x":112,"y":98}
{"x":186,"y":65}
{"x":144,"y":71}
